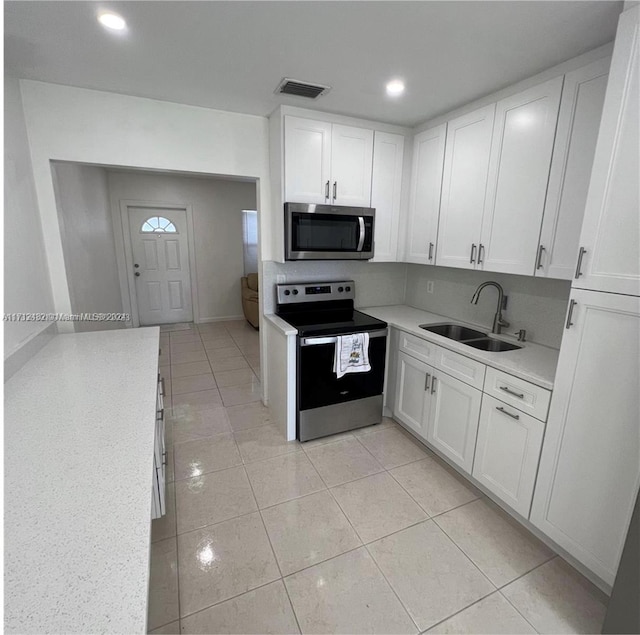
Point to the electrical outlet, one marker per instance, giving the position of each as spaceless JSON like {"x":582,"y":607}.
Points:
{"x":281,"y":278}
{"x":429,"y":286}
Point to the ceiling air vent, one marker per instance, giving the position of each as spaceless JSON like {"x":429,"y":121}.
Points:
{"x":301,"y":89}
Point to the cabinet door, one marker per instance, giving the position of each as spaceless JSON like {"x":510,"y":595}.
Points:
{"x":426,"y":185}
{"x":412,"y":397}
{"x":507,"y":453}
{"x":351,"y":165}
{"x":307,"y":160}
{"x":388,"y":154}
{"x":453,"y":419}
{"x":464,"y":184}
{"x":521,"y":150}
{"x":590,"y":464}
{"x":575,"y":144}
{"x":611,"y":220}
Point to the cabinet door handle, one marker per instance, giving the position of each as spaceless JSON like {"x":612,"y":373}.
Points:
{"x":335,"y":190}
{"x":430,"y":251}
{"x":426,"y":382}
{"x":326,"y":190}
{"x":480,"y":250}
{"x":581,"y":254}
{"x":472,"y":260}
{"x":164,"y":458}
{"x":512,"y":393}
{"x":433,"y":384}
{"x":504,"y":412}
{"x":539,"y":260}
{"x":160,"y":414}
{"x":569,"y":323}
{"x":162,"y":391}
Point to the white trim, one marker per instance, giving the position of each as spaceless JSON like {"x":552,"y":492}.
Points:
{"x":224,"y":318}
{"x":124,"y":254}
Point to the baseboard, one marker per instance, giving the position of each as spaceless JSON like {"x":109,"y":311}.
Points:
{"x":224,"y":318}
{"x":36,"y":341}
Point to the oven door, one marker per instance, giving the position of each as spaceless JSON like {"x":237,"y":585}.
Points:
{"x":319,"y":386}
{"x":328,"y":233}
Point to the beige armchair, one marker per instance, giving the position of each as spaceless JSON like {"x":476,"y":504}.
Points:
{"x":250,"y":299}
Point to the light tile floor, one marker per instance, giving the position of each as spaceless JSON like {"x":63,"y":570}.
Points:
{"x":363,"y":532}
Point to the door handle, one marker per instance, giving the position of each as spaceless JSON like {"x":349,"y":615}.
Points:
{"x":362,"y":232}
{"x":472,"y":260}
{"x":426,"y":382}
{"x":541,"y":249}
{"x":433,"y":384}
{"x":430,"y":251}
{"x":581,"y":254}
{"x":505,"y":412}
{"x":326,"y":190}
{"x":335,"y":190}
{"x":480,"y":250}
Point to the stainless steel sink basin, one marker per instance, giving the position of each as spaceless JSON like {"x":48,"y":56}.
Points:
{"x":453,"y":331}
{"x":491,"y":345}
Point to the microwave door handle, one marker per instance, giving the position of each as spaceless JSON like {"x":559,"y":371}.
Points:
{"x":361,"y":234}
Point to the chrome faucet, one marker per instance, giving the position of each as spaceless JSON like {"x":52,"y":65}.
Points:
{"x":498,"y":321}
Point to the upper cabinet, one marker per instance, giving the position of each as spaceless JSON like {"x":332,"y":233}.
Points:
{"x":524,"y":130}
{"x":609,"y":255}
{"x":388,"y":154}
{"x":327,"y":163}
{"x":426,"y":184}
{"x":464,"y":184}
{"x":578,"y":122}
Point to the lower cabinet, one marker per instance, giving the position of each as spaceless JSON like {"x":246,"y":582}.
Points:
{"x":453,"y":418}
{"x":158,"y":485}
{"x":441,"y":409}
{"x":507,"y":453}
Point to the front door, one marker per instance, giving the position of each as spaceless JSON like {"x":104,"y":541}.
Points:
{"x":161,"y":265}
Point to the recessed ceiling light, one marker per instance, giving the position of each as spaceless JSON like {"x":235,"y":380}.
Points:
{"x":395,"y":87}
{"x":112,"y":21}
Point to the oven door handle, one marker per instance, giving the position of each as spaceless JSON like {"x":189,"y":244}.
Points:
{"x":361,"y":234}
{"x":316,"y":341}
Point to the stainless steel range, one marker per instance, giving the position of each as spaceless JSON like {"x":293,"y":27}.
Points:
{"x":326,"y":404}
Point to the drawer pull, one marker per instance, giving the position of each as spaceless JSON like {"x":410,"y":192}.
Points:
{"x":426,"y":381}
{"x":512,"y":393}
{"x":504,"y":412}
{"x":159,"y":415}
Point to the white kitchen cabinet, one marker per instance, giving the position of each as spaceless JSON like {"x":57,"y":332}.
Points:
{"x":454,"y":408}
{"x":307,"y":160}
{"x":578,"y":123}
{"x":386,"y":185}
{"x":521,"y":149}
{"x":426,"y":185}
{"x":327,"y":163}
{"x":412,"y":397}
{"x":507,"y":453}
{"x":464,"y":184}
{"x":590,"y":464}
{"x":609,"y":255}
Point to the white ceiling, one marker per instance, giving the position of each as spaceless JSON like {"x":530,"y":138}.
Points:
{"x":232,"y":55}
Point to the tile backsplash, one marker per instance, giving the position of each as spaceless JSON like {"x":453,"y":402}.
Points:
{"x":535,"y":304}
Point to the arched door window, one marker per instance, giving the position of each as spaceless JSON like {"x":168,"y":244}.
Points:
{"x":158,"y":225}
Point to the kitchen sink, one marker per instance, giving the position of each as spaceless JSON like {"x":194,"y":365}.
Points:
{"x":491,"y":345}
{"x":453,"y":331}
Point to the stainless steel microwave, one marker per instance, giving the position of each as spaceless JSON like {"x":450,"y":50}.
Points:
{"x":328,"y":232}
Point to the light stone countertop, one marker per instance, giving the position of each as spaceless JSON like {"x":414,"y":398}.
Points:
{"x":79,"y":438}
{"x":283,"y":326}
{"x":533,"y":362}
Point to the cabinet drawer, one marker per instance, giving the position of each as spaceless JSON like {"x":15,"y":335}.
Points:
{"x":518,"y":393}
{"x":467,"y":370}
{"x":507,"y":453}
{"x":418,"y":348}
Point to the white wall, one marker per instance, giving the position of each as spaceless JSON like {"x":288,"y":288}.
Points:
{"x":535,"y":304}
{"x":84,"y":212}
{"x":27,"y":287}
{"x":217,"y":206}
{"x":377,"y":283}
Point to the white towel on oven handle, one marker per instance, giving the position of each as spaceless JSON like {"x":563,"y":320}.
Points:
{"x":351,"y":354}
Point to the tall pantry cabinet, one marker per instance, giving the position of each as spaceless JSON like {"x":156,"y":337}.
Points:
{"x":590,"y":464}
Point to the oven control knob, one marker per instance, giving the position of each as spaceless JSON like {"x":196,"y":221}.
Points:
{"x":340,"y":289}
{"x":348,"y":289}
{"x":295,"y":292}
{"x":287,"y":292}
